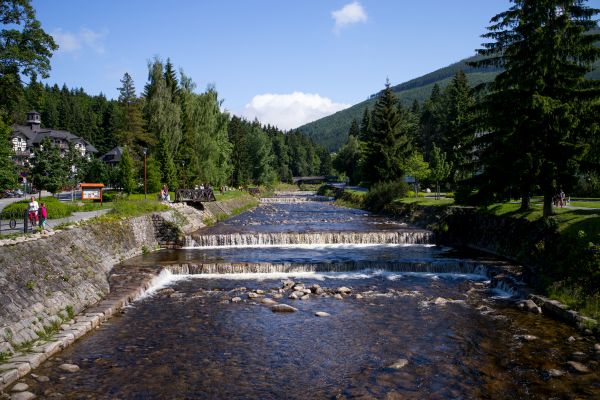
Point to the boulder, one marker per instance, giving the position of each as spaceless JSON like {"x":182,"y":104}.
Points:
{"x":236,"y":299}
{"x":22,"y":396}
{"x":305,"y":297}
{"x":252,"y":295}
{"x":338,"y":297}
{"x":401,"y":363}
{"x":555,"y":373}
{"x":69,"y":367}
{"x":283,"y":308}
{"x":322,"y":314}
{"x":529,"y":305}
{"x":287,"y":284}
{"x":299,"y":287}
{"x":526,"y":338}
{"x":20,"y":387}
{"x":343,"y":290}
{"x":578,"y":367}
{"x":267,"y":301}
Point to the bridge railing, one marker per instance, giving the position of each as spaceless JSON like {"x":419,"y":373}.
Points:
{"x":203,"y":195}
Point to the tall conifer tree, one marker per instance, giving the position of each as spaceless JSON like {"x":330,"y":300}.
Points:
{"x":533,"y":113}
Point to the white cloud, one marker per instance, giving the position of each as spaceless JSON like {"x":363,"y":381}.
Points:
{"x":288,"y":111}
{"x":349,"y":14}
{"x":70,"y":42}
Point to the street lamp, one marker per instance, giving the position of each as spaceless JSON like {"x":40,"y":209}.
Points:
{"x":145,"y":185}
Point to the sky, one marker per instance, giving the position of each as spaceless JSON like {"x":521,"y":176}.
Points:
{"x":285,"y":62}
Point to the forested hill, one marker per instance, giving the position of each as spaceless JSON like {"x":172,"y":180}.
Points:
{"x":332,"y":131}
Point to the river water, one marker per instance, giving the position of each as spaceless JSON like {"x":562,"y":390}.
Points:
{"x":407,"y":320}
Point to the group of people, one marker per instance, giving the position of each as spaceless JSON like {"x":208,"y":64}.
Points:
{"x":37,"y":213}
{"x":560,"y":199}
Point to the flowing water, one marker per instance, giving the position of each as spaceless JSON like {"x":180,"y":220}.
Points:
{"x":406,"y":320}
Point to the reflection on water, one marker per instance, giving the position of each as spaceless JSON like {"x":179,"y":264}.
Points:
{"x":390,"y":335}
{"x":456,"y":340}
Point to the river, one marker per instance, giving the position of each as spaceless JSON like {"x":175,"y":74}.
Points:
{"x":404,"y":319}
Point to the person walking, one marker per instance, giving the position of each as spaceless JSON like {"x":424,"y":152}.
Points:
{"x":32,"y":209}
{"x":43,"y":214}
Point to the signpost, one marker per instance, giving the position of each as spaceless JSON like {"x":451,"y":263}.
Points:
{"x":91,"y":191}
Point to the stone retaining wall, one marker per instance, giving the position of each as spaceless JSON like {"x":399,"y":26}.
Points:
{"x":57,"y":287}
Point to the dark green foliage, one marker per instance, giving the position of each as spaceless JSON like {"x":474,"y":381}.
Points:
{"x":388,"y":145}
{"x":168,"y":170}
{"x":8,"y":173}
{"x":25,"y":50}
{"x":96,"y":172}
{"x":126,"y":172}
{"x":347,"y":160}
{"x":534,"y":112}
{"x":50,"y":170}
{"x":383,"y":193}
{"x":153,"y":175}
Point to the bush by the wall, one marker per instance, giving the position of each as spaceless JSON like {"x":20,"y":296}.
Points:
{"x":383,"y":193}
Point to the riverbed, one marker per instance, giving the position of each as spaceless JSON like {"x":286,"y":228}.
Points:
{"x":402,"y":319}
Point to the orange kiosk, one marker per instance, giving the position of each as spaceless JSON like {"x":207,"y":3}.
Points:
{"x":91,"y":191}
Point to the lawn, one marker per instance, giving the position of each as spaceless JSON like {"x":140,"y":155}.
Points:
{"x":569,"y":221}
{"x":54,"y":207}
{"x":425,"y":201}
{"x":586,"y":204}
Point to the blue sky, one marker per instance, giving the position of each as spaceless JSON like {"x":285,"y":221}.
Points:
{"x":283,"y":61}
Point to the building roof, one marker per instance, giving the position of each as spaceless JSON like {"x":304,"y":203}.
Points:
{"x":34,"y":136}
{"x":113,"y":155}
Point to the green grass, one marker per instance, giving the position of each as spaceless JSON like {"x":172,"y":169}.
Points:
{"x":425,"y":201}
{"x":576,"y":298}
{"x":134,"y":208}
{"x":228,"y":195}
{"x":570,"y":221}
{"x":55,"y":208}
{"x":357,"y":192}
{"x":587,"y":204}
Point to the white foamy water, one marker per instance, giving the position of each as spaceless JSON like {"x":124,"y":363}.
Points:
{"x":164,"y":279}
{"x":315,"y":246}
{"x":321,"y":276}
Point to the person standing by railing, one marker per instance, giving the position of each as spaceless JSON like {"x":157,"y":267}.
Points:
{"x":33,"y":211}
{"x":43,"y":214}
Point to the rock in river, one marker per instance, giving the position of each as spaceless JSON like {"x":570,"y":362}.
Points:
{"x":69,"y":367}
{"x":578,"y":367}
{"x":283,"y":308}
{"x":343,"y":290}
{"x":267,"y":301}
{"x":401,"y":363}
{"x":322,"y":314}
{"x":20,"y":387}
{"x":22,"y":396}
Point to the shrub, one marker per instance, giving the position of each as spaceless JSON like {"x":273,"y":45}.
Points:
{"x":383,"y":193}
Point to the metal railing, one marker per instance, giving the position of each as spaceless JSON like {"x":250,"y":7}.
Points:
{"x":16,"y":222}
{"x":195,"y":195}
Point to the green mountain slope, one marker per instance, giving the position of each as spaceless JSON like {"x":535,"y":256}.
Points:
{"x":332,"y":131}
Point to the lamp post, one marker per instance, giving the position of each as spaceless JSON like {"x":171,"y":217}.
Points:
{"x":145,"y":185}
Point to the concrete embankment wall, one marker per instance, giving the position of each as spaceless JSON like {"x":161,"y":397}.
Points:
{"x":45,"y":282}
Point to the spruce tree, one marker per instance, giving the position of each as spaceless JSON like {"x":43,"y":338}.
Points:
{"x":534,"y":111}
{"x":388,"y":145}
{"x":459,"y":133}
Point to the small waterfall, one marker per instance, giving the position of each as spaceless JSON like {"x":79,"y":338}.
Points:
{"x":294,"y":199}
{"x":309,"y":238}
{"x":437,"y":266}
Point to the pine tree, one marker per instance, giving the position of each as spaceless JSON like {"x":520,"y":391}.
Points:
{"x":432,"y":121}
{"x":534,"y":111}
{"x":131,"y":132}
{"x":388,"y":145}
{"x":365,"y":125}
{"x":459,"y":133}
